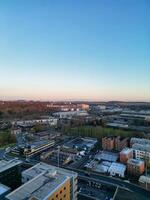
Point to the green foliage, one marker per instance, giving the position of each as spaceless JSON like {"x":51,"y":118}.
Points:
{"x":37,"y":128}
{"x":99,"y":132}
{"x":1,"y":113}
{"x":6,"y":138}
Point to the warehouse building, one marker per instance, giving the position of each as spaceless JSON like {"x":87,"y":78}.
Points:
{"x":117,"y":169}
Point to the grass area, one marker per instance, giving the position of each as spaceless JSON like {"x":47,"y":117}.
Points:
{"x":99,"y":132}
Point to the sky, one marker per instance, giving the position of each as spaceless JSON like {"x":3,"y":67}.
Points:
{"x":75,"y":50}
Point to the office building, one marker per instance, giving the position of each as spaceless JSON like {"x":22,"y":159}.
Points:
{"x":37,"y":147}
{"x":46,"y":182}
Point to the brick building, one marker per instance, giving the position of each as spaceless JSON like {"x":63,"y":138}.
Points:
{"x":135,"y":167}
{"x":108,"y":143}
{"x":121,"y":143}
{"x":114,"y":143}
{"x":125,"y":155}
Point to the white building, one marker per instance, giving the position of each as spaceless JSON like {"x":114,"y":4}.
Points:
{"x":141,"y":151}
{"x":51,"y":121}
{"x":139,"y":141}
{"x":144,"y":181}
{"x":70,"y":114}
{"x":117,"y":169}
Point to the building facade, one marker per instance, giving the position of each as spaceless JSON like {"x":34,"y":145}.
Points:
{"x":144,"y":181}
{"x":142,"y":151}
{"x":121,"y":143}
{"x":135,"y":167}
{"x":46,"y":182}
{"x":108,"y":143}
{"x":125,"y":155}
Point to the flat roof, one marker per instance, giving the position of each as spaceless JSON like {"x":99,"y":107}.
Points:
{"x":135,"y":161}
{"x":45,"y":179}
{"x":3,"y":189}
{"x":141,"y":147}
{"x":40,"y":143}
{"x":117,"y":167}
{"x":140,"y":140}
{"x":5,"y":165}
{"x":106,"y":155}
{"x":126,"y":150}
{"x":144,"y":179}
{"x":38,"y":187}
{"x":80,"y":142}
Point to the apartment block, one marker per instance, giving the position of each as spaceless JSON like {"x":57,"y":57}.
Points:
{"x":108,"y":143}
{"x":135,"y":167}
{"x":121,"y":143}
{"x":125,"y":155}
{"x":142,"y":151}
{"x":116,"y":143}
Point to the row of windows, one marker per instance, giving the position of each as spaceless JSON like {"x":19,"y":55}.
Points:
{"x":57,"y":195}
{"x":60,"y":198}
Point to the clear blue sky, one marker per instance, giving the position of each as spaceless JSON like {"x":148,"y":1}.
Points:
{"x":75,"y":49}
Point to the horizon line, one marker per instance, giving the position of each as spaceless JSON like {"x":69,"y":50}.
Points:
{"x":71,"y":100}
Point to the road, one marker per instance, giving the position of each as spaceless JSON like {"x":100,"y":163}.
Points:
{"x":100,"y":191}
{"x":112,"y":181}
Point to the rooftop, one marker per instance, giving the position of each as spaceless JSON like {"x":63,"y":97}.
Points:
{"x":40,"y":143}
{"x":140,"y":141}
{"x":126,"y":150}
{"x":135,"y":162}
{"x":81,"y":143}
{"x":141,"y":147}
{"x":144,"y":179}
{"x":106,"y":155}
{"x":5,"y":165}
{"x":45,"y":179}
{"x":3,"y":189}
{"x":117,"y":167}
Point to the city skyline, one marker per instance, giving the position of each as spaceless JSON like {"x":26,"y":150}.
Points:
{"x":65,"y":50}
